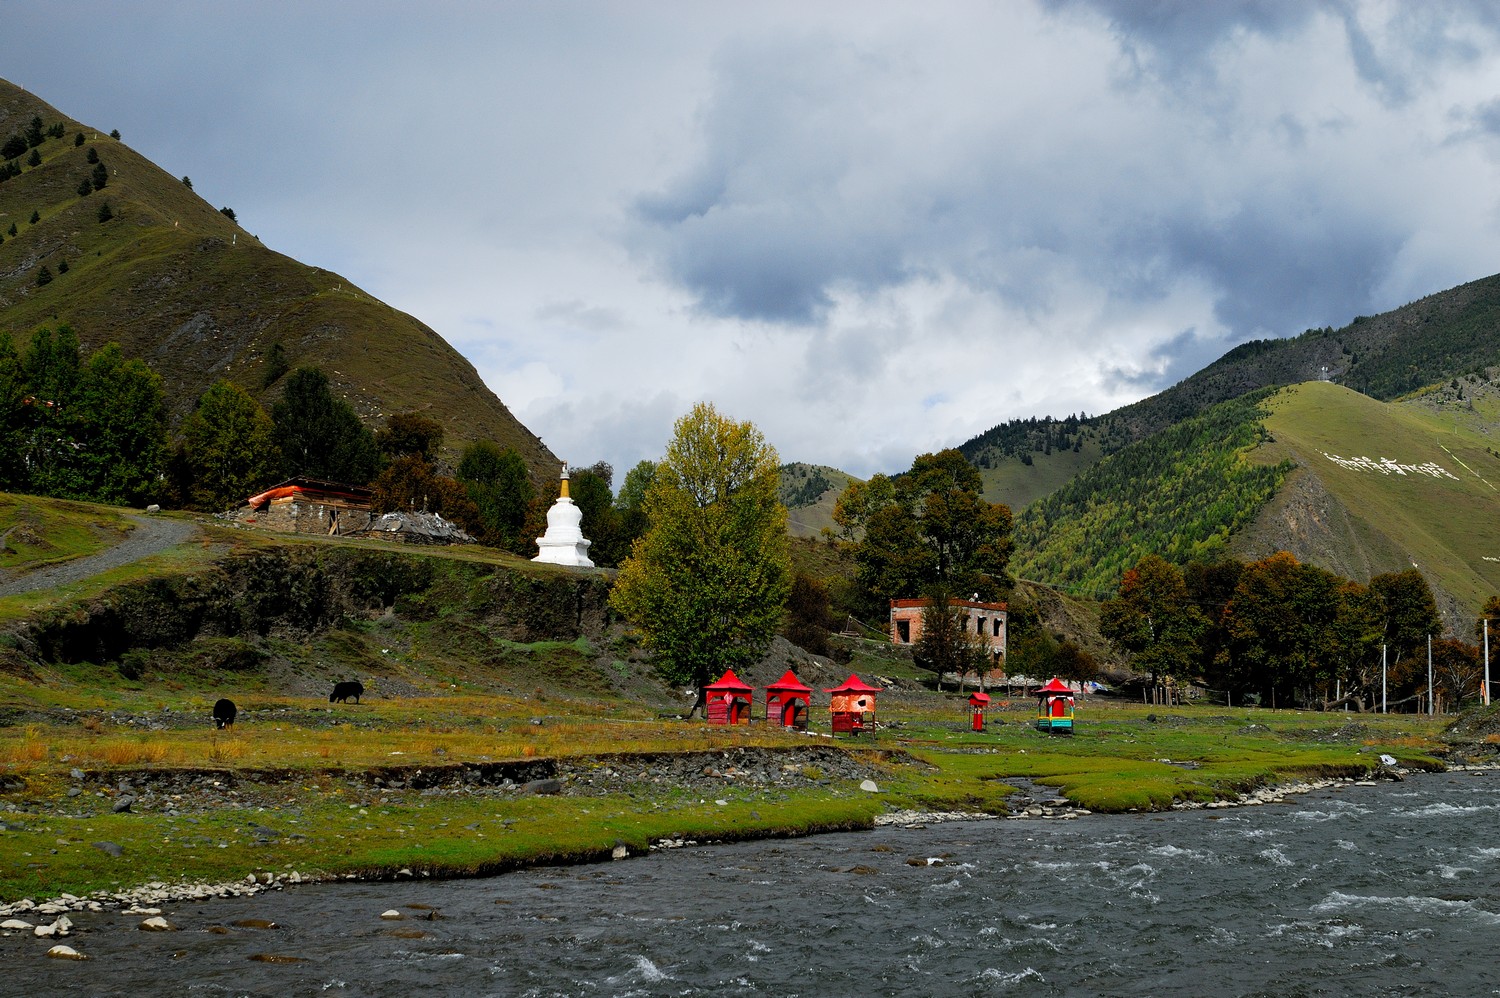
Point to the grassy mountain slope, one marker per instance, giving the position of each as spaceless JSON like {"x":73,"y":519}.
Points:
{"x":1359,"y":520}
{"x":809,"y":492}
{"x":1444,"y":335}
{"x":1018,"y":485}
{"x":1181,"y":493}
{"x":178,"y":284}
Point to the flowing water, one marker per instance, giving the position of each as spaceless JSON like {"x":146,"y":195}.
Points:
{"x":1389,"y":890}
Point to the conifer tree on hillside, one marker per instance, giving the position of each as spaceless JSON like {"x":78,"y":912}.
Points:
{"x":320,"y":435}
{"x":228,"y":450}
{"x":499,"y":484}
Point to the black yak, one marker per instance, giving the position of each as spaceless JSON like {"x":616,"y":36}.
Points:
{"x":343,"y":692}
{"x":224,"y":712}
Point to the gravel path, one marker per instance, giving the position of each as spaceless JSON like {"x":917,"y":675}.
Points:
{"x":150,"y":536}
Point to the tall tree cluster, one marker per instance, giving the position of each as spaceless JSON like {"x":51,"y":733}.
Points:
{"x":1285,"y":632}
{"x":93,"y":429}
{"x":927,"y":528}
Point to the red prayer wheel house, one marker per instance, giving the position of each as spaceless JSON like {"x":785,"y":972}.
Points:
{"x":1054,"y":707}
{"x":787,"y":701}
{"x":852,"y":705}
{"x":977,"y":703}
{"x":728,"y":700}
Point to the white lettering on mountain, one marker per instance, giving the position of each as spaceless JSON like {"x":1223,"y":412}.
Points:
{"x":1386,"y":466}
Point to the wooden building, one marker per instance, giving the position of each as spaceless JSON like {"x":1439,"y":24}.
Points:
{"x":303,"y":505}
{"x":728,"y":700}
{"x":852,"y":705}
{"x":787,"y":702}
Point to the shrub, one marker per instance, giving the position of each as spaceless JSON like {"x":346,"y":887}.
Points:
{"x":43,"y":277}
{"x":35,"y":159}
{"x":93,"y":156}
{"x":187,"y":182}
{"x":36,"y":217}
{"x":62,"y":266}
{"x":114,"y":133}
{"x":12,"y":230}
{"x":78,"y":140}
{"x":100,"y":176}
{"x":104,"y":214}
{"x":14,"y":146}
{"x":85,"y":187}
{"x":228,"y":213}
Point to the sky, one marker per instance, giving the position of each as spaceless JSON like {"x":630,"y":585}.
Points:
{"x":872,"y":229}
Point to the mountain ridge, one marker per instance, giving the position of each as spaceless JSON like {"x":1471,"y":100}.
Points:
{"x":179,"y":284}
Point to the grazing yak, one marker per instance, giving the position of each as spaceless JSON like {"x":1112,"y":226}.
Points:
{"x":343,"y":692}
{"x":224,"y":712}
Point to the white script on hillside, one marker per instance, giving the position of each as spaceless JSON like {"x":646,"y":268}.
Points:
{"x":1388,"y":467}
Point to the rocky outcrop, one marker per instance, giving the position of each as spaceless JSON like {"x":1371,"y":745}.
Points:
{"x":297,"y":592}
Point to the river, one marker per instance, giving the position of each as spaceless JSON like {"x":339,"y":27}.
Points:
{"x":1388,"y":890}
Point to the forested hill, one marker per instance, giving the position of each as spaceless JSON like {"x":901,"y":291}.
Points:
{"x":1442,"y":336}
{"x":98,"y":237}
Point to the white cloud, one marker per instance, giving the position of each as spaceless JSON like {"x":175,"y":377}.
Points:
{"x":873,"y":229}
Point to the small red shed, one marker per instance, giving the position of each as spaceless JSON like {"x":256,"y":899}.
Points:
{"x":728,"y":700}
{"x":1054,"y":707}
{"x":852,"y":705}
{"x":977,"y":703}
{"x":787,"y":700}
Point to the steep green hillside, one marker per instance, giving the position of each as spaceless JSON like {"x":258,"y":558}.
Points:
{"x":1381,"y":487}
{"x":809,"y":492}
{"x":1018,"y":483}
{"x":180,"y":285}
{"x":1181,"y":493}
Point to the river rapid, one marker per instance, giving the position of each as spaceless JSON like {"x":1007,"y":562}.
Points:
{"x":1388,"y":890}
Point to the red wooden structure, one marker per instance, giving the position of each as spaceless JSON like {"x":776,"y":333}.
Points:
{"x":1054,"y":707}
{"x":977,"y":703}
{"x":787,"y":700}
{"x":728,"y":700}
{"x":852,"y":705}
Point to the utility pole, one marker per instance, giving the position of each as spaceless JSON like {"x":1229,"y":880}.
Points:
{"x":1486,"y":698}
{"x":1382,"y":679}
{"x":1430,"y":710}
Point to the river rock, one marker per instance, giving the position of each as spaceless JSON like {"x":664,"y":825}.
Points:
{"x":156,"y":924}
{"x":391,"y":915}
{"x":61,"y":952}
{"x":61,"y":927}
{"x":15,"y":925}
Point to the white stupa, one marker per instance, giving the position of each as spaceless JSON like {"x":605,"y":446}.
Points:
{"x":564,"y":543}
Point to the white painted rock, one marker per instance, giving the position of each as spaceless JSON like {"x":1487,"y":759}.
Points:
{"x":61,"y":952}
